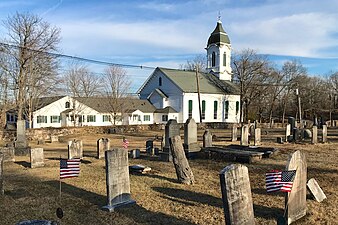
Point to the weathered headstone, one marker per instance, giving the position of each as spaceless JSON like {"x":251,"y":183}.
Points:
{"x":54,"y":138}
{"x":234,"y":133}
{"x":36,"y":157}
{"x":1,"y":174}
{"x":207,"y":139}
{"x":21,"y":140}
{"x":134,"y":153}
{"x":75,"y":149}
{"x":314,"y":135}
{"x":117,"y":179}
{"x":324,"y":134}
{"x":288,"y":132}
{"x":183,"y":171}
{"x":257,"y":136}
{"x":315,"y":190}
{"x":245,"y":135}
{"x":149,"y":147}
{"x":172,"y":128}
{"x":9,"y":153}
{"x":103,"y":144}
{"x":236,"y":195}
{"x":295,"y":201}
{"x":190,"y":136}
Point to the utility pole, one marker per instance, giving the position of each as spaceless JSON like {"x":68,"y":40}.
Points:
{"x":299,"y":107}
{"x":198,"y":94}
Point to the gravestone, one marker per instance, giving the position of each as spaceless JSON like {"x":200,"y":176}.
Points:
{"x":257,"y":136}
{"x":9,"y":153}
{"x":54,"y":138}
{"x":288,"y":132}
{"x":149,"y":147}
{"x":280,"y":140}
{"x":36,"y":157}
{"x":117,"y":179}
{"x":75,"y":149}
{"x":134,"y":154}
{"x":234,"y":133}
{"x":324,"y":134}
{"x":21,"y":140}
{"x":245,"y":135}
{"x":190,"y":136}
{"x":182,"y":168}
{"x":295,"y":201}
{"x":1,"y":174}
{"x":103,"y":144}
{"x":172,"y":128}
{"x":315,"y":190}
{"x":314,"y":135}
{"x":236,"y":195}
{"x":207,"y":139}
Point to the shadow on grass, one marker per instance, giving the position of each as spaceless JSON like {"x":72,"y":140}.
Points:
{"x":24,"y":164}
{"x":267,"y":212}
{"x":156,"y":176}
{"x":262,"y":191}
{"x":135,"y":212}
{"x":190,"y":196}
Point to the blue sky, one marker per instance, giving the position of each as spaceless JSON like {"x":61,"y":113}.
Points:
{"x":167,"y":33}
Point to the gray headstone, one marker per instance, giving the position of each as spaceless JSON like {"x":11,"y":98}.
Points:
{"x":190,"y":135}
{"x":134,"y":154}
{"x":21,"y":140}
{"x":245,"y":135}
{"x":117,"y":179}
{"x":103,"y":144}
{"x":324,"y":137}
{"x":287,"y":131}
{"x":236,"y":195}
{"x":234,"y":133}
{"x":295,"y":201}
{"x":314,"y":135}
{"x":36,"y":157}
{"x":75,"y":149}
{"x":172,"y":128}
{"x":207,"y":139}
{"x":1,"y":174}
{"x":315,"y":190}
{"x":258,"y":136}
{"x":149,"y":147}
{"x":9,"y":153}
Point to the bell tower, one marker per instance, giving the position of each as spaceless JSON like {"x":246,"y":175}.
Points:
{"x":219,"y":53}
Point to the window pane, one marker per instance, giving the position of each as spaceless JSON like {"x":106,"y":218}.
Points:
{"x":215,"y":109}
{"x":190,"y":109}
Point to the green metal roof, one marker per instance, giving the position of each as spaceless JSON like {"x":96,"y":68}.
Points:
{"x":218,"y":35}
{"x":209,"y":83}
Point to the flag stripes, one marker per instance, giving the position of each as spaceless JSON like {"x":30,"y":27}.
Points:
{"x":69,"y":168}
{"x":279,"y":180}
{"x":125,"y":143}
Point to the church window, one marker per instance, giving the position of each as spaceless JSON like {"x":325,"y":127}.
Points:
{"x":226,"y":109}
{"x":237,"y":107}
{"x":67,"y":106}
{"x":190,"y":109}
{"x":213,"y":59}
{"x":224,"y":59}
{"x":203,"y":110}
{"x":160,"y":81}
{"x":215,"y":110}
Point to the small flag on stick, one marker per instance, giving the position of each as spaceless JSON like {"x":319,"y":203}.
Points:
{"x":279,"y":180}
{"x":69,"y":168}
{"x":125,"y":143}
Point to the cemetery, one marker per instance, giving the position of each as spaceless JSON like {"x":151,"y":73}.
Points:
{"x":182,"y":174}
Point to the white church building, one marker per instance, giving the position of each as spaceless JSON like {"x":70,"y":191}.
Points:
{"x":206,"y":97}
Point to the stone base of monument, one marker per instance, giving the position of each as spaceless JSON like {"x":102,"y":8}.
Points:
{"x":22,"y":151}
{"x":111,"y":208}
{"x":165,"y":157}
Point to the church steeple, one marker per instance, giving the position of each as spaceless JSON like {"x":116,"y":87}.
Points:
{"x":219,"y":53}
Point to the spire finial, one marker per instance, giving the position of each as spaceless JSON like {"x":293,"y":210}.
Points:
{"x":219,"y":17}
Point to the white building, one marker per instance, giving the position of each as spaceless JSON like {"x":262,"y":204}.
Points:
{"x":219,"y":97}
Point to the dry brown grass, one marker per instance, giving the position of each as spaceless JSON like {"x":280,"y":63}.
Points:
{"x":32,"y":193}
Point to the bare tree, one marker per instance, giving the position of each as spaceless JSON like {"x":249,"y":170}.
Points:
{"x":199,"y":62}
{"x":117,"y":86}
{"x":30,"y":38}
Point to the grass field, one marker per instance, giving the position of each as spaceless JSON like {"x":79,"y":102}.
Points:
{"x":33,"y":193}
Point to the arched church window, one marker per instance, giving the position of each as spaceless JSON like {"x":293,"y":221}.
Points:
{"x":67,"y":106}
{"x":224,"y":59}
{"x":213,"y":59}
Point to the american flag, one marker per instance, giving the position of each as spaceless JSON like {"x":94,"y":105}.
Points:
{"x":279,"y":180}
{"x":125,"y":143}
{"x":69,"y":168}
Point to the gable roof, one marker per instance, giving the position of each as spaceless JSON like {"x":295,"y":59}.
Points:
{"x":209,"y":83}
{"x":167,"y":109}
{"x":44,"y":101}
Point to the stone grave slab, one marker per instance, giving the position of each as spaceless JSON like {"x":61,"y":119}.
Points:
{"x":9,"y":153}
{"x":236,"y":195}
{"x":315,"y":190}
{"x":314,"y":135}
{"x":37,"y":157}
{"x":245,"y":135}
{"x":172,"y":129}
{"x":324,"y":134}
{"x":207,"y":139}
{"x":75,"y":149}
{"x":21,"y":139}
{"x":103,"y":144}
{"x":117,"y":179}
{"x":190,"y":136}
{"x":257,"y":137}
{"x":234,"y":133}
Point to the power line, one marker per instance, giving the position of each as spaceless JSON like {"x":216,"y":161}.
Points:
{"x":77,"y":58}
